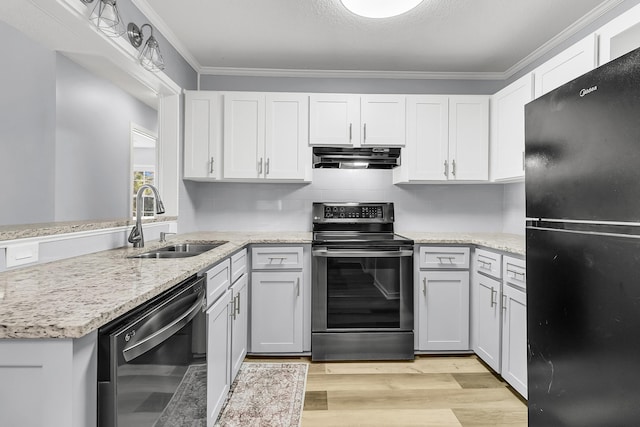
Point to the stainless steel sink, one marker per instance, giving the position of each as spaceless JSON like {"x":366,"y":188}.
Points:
{"x":180,"y":250}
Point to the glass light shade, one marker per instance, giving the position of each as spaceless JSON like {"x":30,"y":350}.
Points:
{"x":106,"y":17}
{"x":380,"y":8}
{"x":150,"y":56}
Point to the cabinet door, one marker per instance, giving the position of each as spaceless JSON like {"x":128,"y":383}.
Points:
{"x":514,"y":339}
{"x":443,"y":310}
{"x":287,"y":152}
{"x":383,"y":119}
{"x":469,"y":138}
{"x":202,"y":135}
{"x":244,"y":135}
{"x":427,"y":138}
{"x":218,"y":280}
{"x":566,"y":66}
{"x":276,"y":311}
{"x":619,"y":36}
{"x":218,"y":343}
{"x":507,"y":129}
{"x":334,"y":119}
{"x":487,"y":320}
{"x":239,"y":324}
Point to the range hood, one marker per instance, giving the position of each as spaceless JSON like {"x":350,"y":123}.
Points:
{"x":356,"y":158}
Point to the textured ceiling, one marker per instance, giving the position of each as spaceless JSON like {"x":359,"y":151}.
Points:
{"x":439,"y":36}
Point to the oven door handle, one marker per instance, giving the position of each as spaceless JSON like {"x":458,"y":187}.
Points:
{"x":163,"y":332}
{"x":334,"y":253}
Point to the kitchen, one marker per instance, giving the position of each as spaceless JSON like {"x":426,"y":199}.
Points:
{"x":486,"y":207}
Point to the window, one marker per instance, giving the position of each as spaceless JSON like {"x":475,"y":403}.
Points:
{"x":143,"y":168}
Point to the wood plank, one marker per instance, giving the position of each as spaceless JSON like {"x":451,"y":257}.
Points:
{"x":379,"y":417}
{"x":381,"y":382}
{"x":493,"y":417}
{"x":422,"y":365}
{"x":478,"y":380}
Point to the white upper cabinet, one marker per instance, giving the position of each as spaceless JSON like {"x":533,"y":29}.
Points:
{"x":265,"y":136}
{"x":566,"y":66}
{"x":203,"y":135}
{"x":448,"y":139}
{"x":507,"y":129}
{"x":619,"y":36}
{"x":468,"y":138}
{"x":355,"y":120}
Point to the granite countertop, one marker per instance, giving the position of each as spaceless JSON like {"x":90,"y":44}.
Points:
{"x":72,"y":297}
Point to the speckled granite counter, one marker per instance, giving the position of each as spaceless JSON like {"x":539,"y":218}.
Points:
{"x":72,"y":297}
{"x":513,"y":243}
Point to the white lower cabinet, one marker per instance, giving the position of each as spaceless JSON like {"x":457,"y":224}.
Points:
{"x":442,"y":299}
{"x":444,"y":311}
{"x":277,"y":312}
{"x":218,"y":355}
{"x":239,"y":323}
{"x":487,"y":319}
{"x":514,"y":338}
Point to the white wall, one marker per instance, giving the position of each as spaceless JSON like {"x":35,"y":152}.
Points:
{"x":239,"y":206}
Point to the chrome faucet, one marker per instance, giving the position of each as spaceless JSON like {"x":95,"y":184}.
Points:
{"x":136,"y":237}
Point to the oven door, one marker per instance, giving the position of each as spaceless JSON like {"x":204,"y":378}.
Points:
{"x":363,"y":289}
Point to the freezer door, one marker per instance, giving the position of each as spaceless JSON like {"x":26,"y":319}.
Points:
{"x":583,"y":324}
{"x":582,"y":145}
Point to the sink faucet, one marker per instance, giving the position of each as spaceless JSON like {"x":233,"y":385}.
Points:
{"x":136,"y":237}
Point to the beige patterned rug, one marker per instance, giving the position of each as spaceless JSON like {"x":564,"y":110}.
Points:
{"x":266,"y":394}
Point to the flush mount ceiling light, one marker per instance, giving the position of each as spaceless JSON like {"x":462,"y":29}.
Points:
{"x":106,"y":17}
{"x":380,"y":8}
{"x":150,"y":56}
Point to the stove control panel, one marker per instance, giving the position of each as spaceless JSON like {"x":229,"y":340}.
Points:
{"x":353,"y":212}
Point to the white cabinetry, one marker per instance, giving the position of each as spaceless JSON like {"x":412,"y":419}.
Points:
{"x":507,"y":129}
{"x":442,"y":299}
{"x":278,"y":294}
{"x":487,"y":289}
{"x":357,"y":120}
{"x":619,"y":36}
{"x":265,"y":136}
{"x":203,"y":135}
{"x":447,"y":139}
{"x":566,"y":66}
{"x":514,"y":325}
{"x":227,"y":328}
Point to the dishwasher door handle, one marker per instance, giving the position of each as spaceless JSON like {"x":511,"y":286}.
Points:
{"x":161,"y":333}
{"x":361,"y":253}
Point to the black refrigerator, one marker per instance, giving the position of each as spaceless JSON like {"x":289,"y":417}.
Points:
{"x":582,"y":152}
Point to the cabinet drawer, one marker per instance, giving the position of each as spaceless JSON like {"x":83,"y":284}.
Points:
{"x":218,"y":280}
{"x":444,"y":257}
{"x":489,"y":263}
{"x":238,"y":265}
{"x":515,"y":271}
{"x":276,"y":258}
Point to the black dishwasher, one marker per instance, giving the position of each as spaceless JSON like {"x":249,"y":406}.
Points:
{"x":147,"y":355}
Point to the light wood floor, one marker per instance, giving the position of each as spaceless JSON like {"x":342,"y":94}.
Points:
{"x":434,"y":391}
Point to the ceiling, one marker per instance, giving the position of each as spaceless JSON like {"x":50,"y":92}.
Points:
{"x":462,"y":38}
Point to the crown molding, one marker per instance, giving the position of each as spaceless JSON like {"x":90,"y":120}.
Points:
{"x":348,"y":74}
{"x":562,"y":36}
{"x":160,"y":25}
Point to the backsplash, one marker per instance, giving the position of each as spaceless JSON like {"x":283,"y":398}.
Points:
{"x":273,"y":207}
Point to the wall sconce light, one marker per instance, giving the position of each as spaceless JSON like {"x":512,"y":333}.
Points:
{"x":150,"y":56}
{"x":106,"y":17}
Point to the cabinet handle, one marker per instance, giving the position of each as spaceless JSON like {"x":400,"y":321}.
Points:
{"x":450,"y":258}
{"x":298,"y":287}
{"x":493,"y":301}
{"x":523,"y":160}
{"x":446,"y":168}
{"x":237,"y":305}
{"x":281,"y":258}
{"x":260,"y":166}
{"x":267,"y":167}
{"x":504,"y":303}
{"x":350,"y":131}
{"x":424,"y":286}
{"x":365,"y":132}
{"x":211,"y":167}
{"x":453,"y":167}
{"x":233,"y":309}
{"x":484,"y":265}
